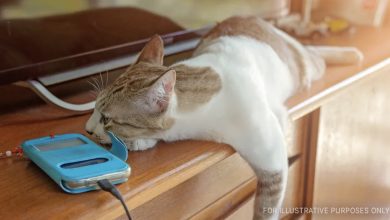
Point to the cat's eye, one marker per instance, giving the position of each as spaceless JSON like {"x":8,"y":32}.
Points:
{"x":104,"y":120}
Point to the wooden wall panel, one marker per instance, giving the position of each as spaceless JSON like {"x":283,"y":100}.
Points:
{"x":353,"y":159}
{"x":295,"y":145}
{"x":302,"y":144}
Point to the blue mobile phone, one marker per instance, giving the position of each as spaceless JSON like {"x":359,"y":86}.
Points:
{"x":76,"y":163}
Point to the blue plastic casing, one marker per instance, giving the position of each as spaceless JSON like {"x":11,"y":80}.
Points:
{"x":53,"y":160}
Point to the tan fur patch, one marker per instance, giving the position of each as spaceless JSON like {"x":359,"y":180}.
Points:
{"x":260,"y":30}
{"x":153,"y":52}
{"x":195,"y":86}
{"x":269,"y":192}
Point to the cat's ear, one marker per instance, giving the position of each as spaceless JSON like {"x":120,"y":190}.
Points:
{"x":153,"y":51}
{"x":160,"y":92}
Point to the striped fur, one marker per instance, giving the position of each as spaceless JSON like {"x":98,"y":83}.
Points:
{"x":270,"y":189}
{"x":195,"y":86}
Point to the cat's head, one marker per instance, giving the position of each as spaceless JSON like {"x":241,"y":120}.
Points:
{"x":136,"y":104}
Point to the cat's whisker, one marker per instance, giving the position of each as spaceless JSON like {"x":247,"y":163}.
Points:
{"x":93,"y":94}
{"x":94,"y":86}
{"x":106,"y":78}
{"x":97,"y":83}
{"x":101,"y":81}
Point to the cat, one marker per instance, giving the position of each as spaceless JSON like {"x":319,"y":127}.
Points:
{"x":232,"y":90}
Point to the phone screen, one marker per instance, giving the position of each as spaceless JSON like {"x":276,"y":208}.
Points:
{"x":60,"y":144}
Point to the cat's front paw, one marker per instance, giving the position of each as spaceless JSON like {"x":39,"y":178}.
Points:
{"x":141,"y":144}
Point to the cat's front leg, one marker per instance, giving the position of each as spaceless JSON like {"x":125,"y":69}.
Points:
{"x":140,"y":144}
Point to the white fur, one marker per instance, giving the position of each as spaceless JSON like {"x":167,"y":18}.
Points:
{"x":249,"y":112}
{"x":141,"y":144}
{"x":253,"y":79}
{"x":338,"y":55}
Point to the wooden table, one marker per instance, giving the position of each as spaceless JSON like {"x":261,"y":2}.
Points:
{"x":172,"y":181}
{"x":188,"y":179}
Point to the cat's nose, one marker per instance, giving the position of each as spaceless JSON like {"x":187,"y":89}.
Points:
{"x":89,"y":132}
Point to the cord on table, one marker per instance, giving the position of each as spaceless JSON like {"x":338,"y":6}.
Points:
{"x":106,"y":185}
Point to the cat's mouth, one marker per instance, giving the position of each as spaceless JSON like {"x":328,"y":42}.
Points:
{"x":101,"y":141}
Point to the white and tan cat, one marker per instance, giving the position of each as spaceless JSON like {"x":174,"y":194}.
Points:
{"x":232,"y":90}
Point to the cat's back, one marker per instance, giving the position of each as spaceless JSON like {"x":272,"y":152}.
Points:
{"x":247,"y":51}
{"x":303,"y":65}
{"x":260,"y":30}
{"x":249,"y":26}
